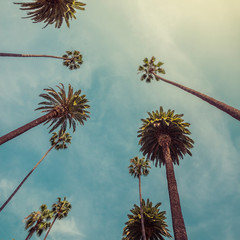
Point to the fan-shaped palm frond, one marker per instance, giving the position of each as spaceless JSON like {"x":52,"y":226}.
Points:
{"x":52,"y":11}
{"x":69,"y":108}
{"x":158,"y":125}
{"x":154,"y":222}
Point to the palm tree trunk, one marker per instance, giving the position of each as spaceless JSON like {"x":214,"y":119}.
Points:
{"x":50,"y":227}
{"x":30,"y":235}
{"x":29,"y":55}
{"x":19,"y":186}
{"x":234,"y":112}
{"x":141,"y":209}
{"x":27,"y":127}
{"x":177,"y":218}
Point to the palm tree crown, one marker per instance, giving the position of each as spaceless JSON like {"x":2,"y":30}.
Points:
{"x":149,"y":67}
{"x":71,"y":107}
{"x":154,"y":221}
{"x":150,"y":70}
{"x":139,"y":167}
{"x":73,"y":59}
{"x":38,"y":221}
{"x":60,"y":140}
{"x":52,"y":11}
{"x":156,"y":128}
{"x":61,"y":208}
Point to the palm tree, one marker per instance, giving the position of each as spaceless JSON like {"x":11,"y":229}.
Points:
{"x":52,"y":11}
{"x":137,"y":168}
{"x":61,"y":110}
{"x":38,"y":221}
{"x":72,"y":59}
{"x":150,"y":69}
{"x":59,"y":210}
{"x":163,"y":139}
{"x":154,"y":220}
{"x":58,"y":141}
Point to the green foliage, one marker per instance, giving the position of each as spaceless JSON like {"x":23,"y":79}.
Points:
{"x":50,"y":12}
{"x":149,"y":67}
{"x":139,"y":167}
{"x":154,"y":222}
{"x":160,"y":123}
{"x":61,"y":208}
{"x":38,"y":221}
{"x":73,"y":59}
{"x":70,"y":108}
{"x":61,"y":139}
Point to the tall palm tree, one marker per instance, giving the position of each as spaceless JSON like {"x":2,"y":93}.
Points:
{"x":150,"y":69}
{"x":164,"y":139}
{"x":61,"y":109}
{"x":154,"y":219}
{"x":58,"y":141}
{"x":59,"y":210}
{"x":72,"y":59}
{"x":137,"y":168}
{"x":52,"y":11}
{"x":37,"y":222}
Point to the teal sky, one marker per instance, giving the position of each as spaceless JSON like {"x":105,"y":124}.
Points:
{"x":199,"y":43}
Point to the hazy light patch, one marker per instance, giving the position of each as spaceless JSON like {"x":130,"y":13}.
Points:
{"x":65,"y":227}
{"x":6,"y":187}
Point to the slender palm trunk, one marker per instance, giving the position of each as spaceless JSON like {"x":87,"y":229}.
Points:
{"x":29,"y":55}
{"x":19,"y":186}
{"x":177,"y":217}
{"x":234,"y":112}
{"x":27,"y":127}
{"x":30,"y":235}
{"x":50,"y":227}
{"x":141,"y":209}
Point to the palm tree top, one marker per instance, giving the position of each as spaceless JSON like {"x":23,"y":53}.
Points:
{"x":149,"y":67}
{"x":71,"y":107}
{"x":60,"y":140}
{"x":154,"y":222}
{"x":159,"y":127}
{"x":73,"y":59}
{"x":61,"y":208}
{"x":52,"y":11}
{"x":139,"y":166}
{"x":40,"y":219}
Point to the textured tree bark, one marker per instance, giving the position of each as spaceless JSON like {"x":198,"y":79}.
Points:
{"x":141,"y":209}
{"x":27,"y":127}
{"x":50,"y":227}
{"x":177,"y":218}
{"x":19,"y":186}
{"x":234,"y":112}
{"x":29,"y":55}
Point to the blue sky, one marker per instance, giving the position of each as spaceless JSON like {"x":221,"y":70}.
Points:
{"x":199,"y":43}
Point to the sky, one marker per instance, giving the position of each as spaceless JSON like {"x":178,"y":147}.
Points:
{"x":198,"y":41}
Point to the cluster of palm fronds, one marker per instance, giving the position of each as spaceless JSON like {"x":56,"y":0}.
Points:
{"x":73,"y":59}
{"x":71,"y":107}
{"x":149,"y":67}
{"x":52,"y":11}
{"x":154,"y":221}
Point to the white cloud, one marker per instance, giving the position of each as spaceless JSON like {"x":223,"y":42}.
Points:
{"x":66,"y":227}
